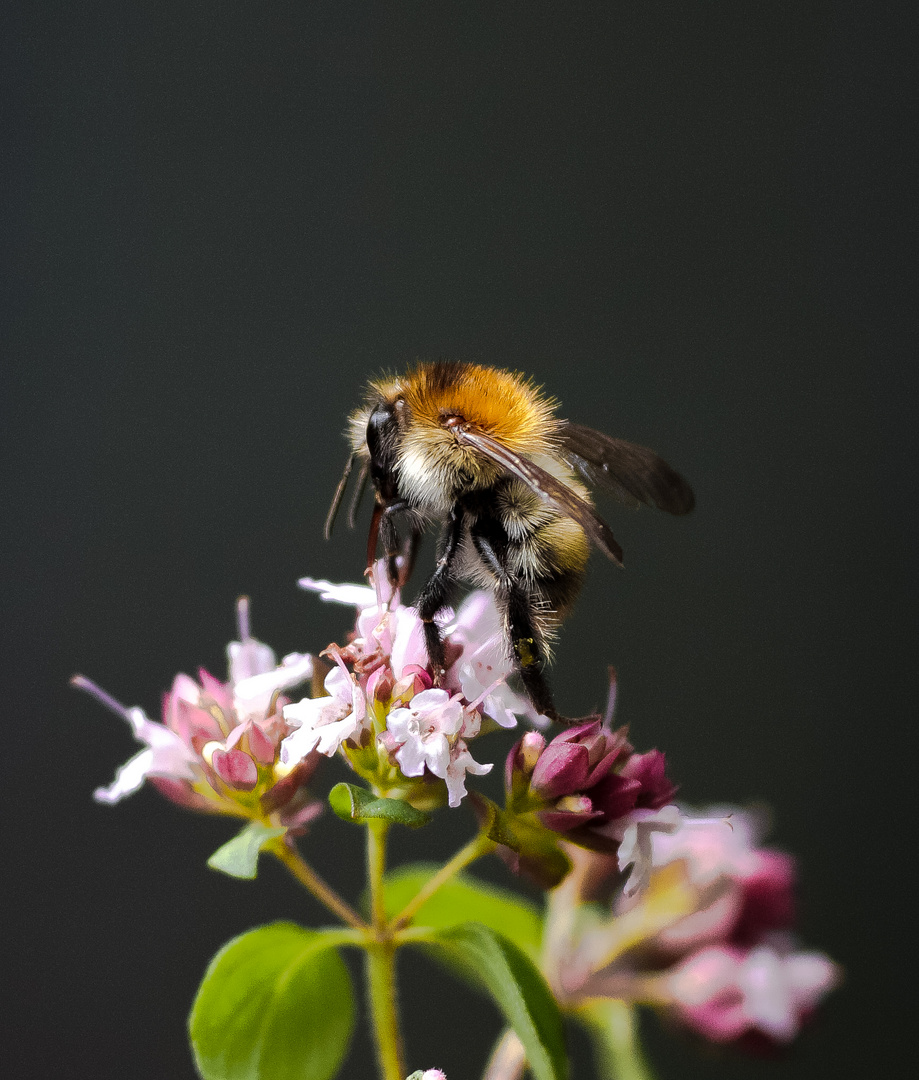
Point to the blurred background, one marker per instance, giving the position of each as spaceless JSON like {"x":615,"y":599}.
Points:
{"x":692,"y":222}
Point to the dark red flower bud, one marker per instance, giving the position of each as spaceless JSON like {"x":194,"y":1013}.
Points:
{"x":650,"y":771}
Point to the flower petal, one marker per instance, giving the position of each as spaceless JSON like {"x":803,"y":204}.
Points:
{"x":252,"y":696}
{"x":461,"y":762}
{"x":128,"y":779}
{"x":236,"y":769}
{"x":359,"y":596}
{"x":248,"y":658}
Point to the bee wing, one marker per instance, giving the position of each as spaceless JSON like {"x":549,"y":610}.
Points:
{"x":633,"y":474}
{"x":551,"y":491}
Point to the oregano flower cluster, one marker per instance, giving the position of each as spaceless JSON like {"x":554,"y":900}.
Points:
{"x":649,"y":905}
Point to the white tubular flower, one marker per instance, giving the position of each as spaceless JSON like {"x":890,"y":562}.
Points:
{"x":249,"y":658}
{"x":425,"y":729}
{"x":359,"y":596}
{"x":485,"y":662}
{"x":720,"y":844}
{"x":637,"y":846}
{"x":461,"y":762}
{"x":324,"y":723}
{"x":166,"y":755}
{"x":255,"y":676}
{"x":252,"y":696}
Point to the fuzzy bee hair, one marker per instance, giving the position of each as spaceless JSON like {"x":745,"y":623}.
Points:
{"x":433,"y":467}
{"x":484,"y":452}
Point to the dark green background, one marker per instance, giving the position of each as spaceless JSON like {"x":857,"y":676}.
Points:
{"x":691,"y":221}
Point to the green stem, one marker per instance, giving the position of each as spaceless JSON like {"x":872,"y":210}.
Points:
{"x":377,"y":831}
{"x":477,"y":846}
{"x":381,"y":989}
{"x":308,"y":877}
{"x":381,"y":961}
{"x":619,"y":1053}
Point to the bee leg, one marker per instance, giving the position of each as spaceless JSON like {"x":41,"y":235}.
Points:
{"x":409,"y":554}
{"x":389,"y":537}
{"x":435,"y":592}
{"x":514,"y":598}
{"x":519,"y":607}
{"x":528,"y":654}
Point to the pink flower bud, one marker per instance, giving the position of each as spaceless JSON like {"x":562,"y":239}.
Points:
{"x":522,"y":759}
{"x":236,"y":769}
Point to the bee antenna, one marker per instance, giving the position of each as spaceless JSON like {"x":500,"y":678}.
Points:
{"x":337,"y":497}
{"x":358,"y":493}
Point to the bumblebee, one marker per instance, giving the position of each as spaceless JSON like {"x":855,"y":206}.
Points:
{"x":483,"y":452}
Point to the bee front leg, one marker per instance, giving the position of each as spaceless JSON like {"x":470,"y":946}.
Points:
{"x":409,"y":554}
{"x":435,"y":593}
{"x":389,"y":538}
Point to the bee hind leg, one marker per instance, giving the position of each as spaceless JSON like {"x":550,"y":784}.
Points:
{"x":529,"y":655}
{"x":520,"y":609}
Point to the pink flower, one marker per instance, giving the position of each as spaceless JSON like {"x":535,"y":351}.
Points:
{"x":217,"y":748}
{"x":650,"y":772}
{"x":726,"y":993}
{"x":767,"y":897}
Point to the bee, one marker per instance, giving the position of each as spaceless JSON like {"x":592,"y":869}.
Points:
{"x":483,"y":452}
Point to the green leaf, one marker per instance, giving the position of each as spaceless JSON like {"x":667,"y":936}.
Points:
{"x":507,"y":974}
{"x":239,"y":856}
{"x":464,"y":899}
{"x":353,"y":803}
{"x":274,"y":1004}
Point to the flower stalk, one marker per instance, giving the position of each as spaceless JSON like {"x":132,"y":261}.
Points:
{"x":477,"y":847}
{"x":508,"y":1059}
{"x":619,"y":1051}
{"x":381,"y":961}
{"x":310,"y":880}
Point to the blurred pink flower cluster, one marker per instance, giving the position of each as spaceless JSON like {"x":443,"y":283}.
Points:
{"x":701,"y":929}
